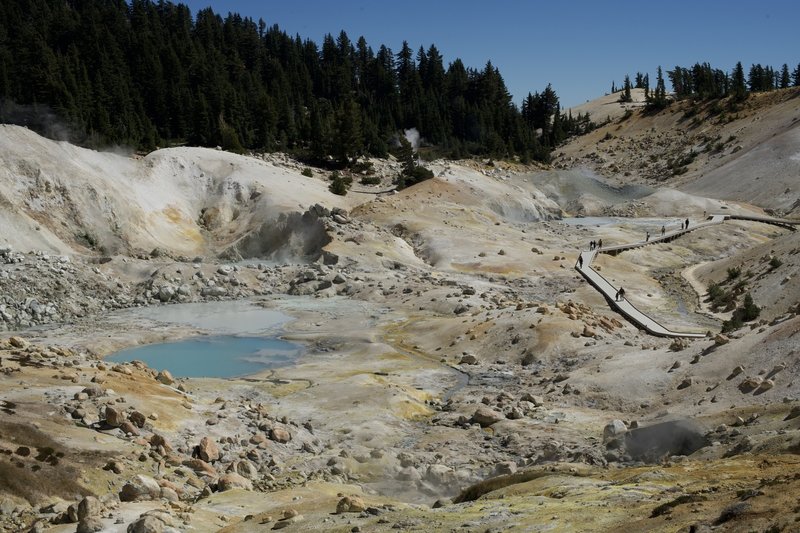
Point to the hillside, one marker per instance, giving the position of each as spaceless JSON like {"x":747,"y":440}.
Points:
{"x":452,"y":369}
{"x":748,"y":153}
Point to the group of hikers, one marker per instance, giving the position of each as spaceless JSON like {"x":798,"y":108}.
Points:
{"x":595,"y":245}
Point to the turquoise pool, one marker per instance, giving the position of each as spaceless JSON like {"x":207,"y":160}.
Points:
{"x":222,"y":356}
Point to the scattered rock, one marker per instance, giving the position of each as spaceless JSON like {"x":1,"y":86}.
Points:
{"x":208,"y":450}
{"x":232,"y":480}
{"x":486,"y":417}
{"x":351,"y":504}
{"x":140,"y":488}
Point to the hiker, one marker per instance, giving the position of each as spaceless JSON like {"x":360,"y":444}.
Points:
{"x":600,"y":243}
{"x":663,"y":230}
{"x":591,"y":245}
{"x":580,"y":261}
{"x":704,"y":214}
{"x":687,"y":223}
{"x":647,"y":237}
{"x":620,"y":294}
{"x":681,"y":225}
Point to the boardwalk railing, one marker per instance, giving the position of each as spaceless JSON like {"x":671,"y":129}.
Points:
{"x":630,"y":311}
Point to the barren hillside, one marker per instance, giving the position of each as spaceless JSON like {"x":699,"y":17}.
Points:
{"x":747,"y":152}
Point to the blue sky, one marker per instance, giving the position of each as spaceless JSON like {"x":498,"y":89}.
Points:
{"x":579,"y":46}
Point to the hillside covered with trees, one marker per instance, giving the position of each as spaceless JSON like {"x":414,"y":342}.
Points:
{"x":147,"y":73}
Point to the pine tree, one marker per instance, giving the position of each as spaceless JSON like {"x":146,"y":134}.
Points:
{"x":796,"y":76}
{"x":738,"y":87}
{"x":658,"y":98}
{"x":784,"y":82}
{"x":626,"y":91}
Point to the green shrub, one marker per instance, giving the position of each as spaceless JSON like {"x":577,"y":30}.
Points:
{"x":339,"y":184}
{"x":734,"y":273}
{"x":371,"y":180}
{"x":775,"y":262}
{"x":307,"y":172}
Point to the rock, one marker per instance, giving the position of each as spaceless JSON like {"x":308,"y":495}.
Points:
{"x":208,"y":450}
{"x":686,"y":383}
{"x":351,"y":504}
{"x":736,"y":371}
{"x":766,"y":385}
{"x":505,"y":468}
{"x":169,"y":494}
{"x":18,"y":342}
{"x":232,"y":480}
{"x":165,"y":377}
{"x":614,"y":430}
{"x":199,"y":466}
{"x":244,"y":468}
{"x":146,"y":524}
{"x":468,"y":359}
{"x":279,"y":434}
{"x":137,"y":418}
{"x":166,"y":293}
{"x":679,"y":344}
{"x":538,"y":401}
{"x":114,"y":417}
{"x":128,"y":428}
{"x":750,"y":384}
{"x":720,"y":339}
{"x":588,"y":332}
{"x":94,"y":390}
{"x":88,"y":507}
{"x":486,"y":417}
{"x":225,"y":270}
{"x":90,"y":525}
{"x":140,"y":488}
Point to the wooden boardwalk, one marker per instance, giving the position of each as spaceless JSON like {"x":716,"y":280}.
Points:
{"x":627,"y":309}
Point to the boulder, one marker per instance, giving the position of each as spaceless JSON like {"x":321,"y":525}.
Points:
{"x":140,"y":488}
{"x":486,"y":417}
{"x":128,"y":428}
{"x":88,"y":507}
{"x":146,"y":524}
{"x":165,"y":377}
{"x":279,"y":434}
{"x":114,"y":416}
{"x":468,"y":359}
{"x":232,"y":480}
{"x":137,"y":418}
{"x":351,"y":504}
{"x":208,"y":450}
{"x":90,"y":524}
{"x":588,"y":332}
{"x":18,"y":342}
{"x":613,"y":430}
{"x":200,"y":467}
{"x":721,"y":339}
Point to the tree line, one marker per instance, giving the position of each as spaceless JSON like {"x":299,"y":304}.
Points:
{"x":705,"y":82}
{"x":148,"y":73}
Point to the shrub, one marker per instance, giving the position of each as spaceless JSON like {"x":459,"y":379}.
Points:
{"x":734,"y":273}
{"x":340,"y":184}
{"x":307,"y":172}
{"x":775,"y":262}
{"x":371,"y":180}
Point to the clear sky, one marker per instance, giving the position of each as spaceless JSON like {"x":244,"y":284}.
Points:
{"x":579,"y":46}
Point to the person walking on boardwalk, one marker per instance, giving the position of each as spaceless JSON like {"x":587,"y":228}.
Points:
{"x":580,"y":261}
{"x":647,"y":237}
{"x":620,"y":294}
{"x":687,"y":223}
{"x":591,"y":245}
{"x":600,"y":243}
{"x":663,"y":230}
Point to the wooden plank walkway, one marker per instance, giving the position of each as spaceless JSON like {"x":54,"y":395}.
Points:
{"x":627,"y":309}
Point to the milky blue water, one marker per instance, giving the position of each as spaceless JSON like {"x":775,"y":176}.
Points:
{"x":222,"y":356}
